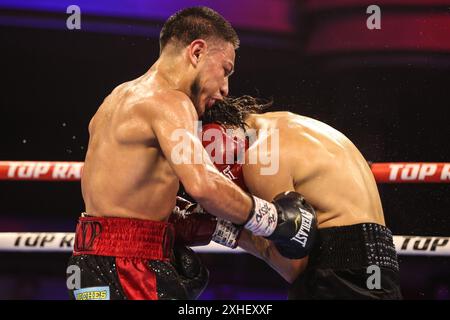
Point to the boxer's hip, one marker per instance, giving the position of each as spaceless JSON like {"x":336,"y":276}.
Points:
{"x":121,"y":258}
{"x":344,"y":264}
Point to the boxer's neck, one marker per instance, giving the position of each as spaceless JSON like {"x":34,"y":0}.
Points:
{"x":174,"y":71}
{"x":251,"y":121}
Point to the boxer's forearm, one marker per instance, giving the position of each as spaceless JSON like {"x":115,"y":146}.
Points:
{"x":256,"y":246}
{"x":264,"y":249}
{"x":223,"y":199}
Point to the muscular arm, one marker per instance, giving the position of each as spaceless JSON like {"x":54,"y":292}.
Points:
{"x":264,"y":249}
{"x":174,"y":125}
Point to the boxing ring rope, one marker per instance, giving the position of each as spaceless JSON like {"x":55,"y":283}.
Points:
{"x":389,"y":172}
{"x":386,"y":172}
{"x":63,"y":242}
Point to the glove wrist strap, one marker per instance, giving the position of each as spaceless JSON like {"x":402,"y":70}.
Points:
{"x":263,"y":219}
{"x":226,"y":233}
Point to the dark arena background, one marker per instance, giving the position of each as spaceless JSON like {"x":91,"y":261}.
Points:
{"x":386,"y":89}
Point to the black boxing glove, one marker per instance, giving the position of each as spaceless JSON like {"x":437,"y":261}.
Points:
{"x":193,"y":274}
{"x":289,"y":221}
{"x":295,"y":217}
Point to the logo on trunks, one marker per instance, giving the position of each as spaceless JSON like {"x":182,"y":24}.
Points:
{"x":228,"y":146}
{"x":303,"y":233}
{"x":92,"y":293}
{"x":87,"y":232}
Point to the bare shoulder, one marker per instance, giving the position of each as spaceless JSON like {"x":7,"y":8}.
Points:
{"x":287,"y":118}
{"x":279,"y":119}
{"x":167,"y":104}
{"x":288,"y":124}
{"x":103,"y":110}
{"x":298,"y":135}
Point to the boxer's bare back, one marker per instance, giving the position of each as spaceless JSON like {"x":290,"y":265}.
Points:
{"x":125,"y":173}
{"x":320,"y":163}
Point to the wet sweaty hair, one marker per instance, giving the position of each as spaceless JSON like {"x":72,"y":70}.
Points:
{"x":232,"y":112}
{"x":197,"y":23}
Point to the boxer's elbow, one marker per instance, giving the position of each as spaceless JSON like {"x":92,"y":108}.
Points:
{"x":296,"y":267}
{"x":289,"y":269}
{"x":290,"y":277}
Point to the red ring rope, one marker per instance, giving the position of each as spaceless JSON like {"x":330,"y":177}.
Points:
{"x":389,"y":172}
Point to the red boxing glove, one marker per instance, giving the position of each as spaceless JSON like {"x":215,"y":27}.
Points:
{"x":195,"y":227}
{"x":226,"y":150}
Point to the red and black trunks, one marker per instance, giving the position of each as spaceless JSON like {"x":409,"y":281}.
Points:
{"x":120,"y":258}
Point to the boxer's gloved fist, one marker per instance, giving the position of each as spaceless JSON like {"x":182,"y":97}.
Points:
{"x":289,"y":221}
{"x":193,"y":274}
{"x":195,"y":227}
{"x":192,"y":226}
{"x":295,"y":217}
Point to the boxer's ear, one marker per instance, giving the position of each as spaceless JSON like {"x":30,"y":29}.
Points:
{"x":196,"y":50}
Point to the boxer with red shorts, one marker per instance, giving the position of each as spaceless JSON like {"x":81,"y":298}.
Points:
{"x":132,"y":170}
{"x":134,"y":259}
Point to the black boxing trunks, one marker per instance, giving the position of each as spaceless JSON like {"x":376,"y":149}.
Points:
{"x":345,"y":263}
{"x":122,"y":258}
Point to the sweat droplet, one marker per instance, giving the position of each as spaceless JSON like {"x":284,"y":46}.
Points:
{"x":74,"y":137}
{"x":24,"y":141}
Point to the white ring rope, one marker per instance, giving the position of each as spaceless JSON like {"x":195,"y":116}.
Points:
{"x":63,"y":242}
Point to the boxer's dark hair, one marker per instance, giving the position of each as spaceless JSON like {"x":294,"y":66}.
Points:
{"x":197,"y":23}
{"x":232,"y":112}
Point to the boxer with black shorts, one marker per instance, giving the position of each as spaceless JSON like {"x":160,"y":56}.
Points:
{"x":325,"y":167}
